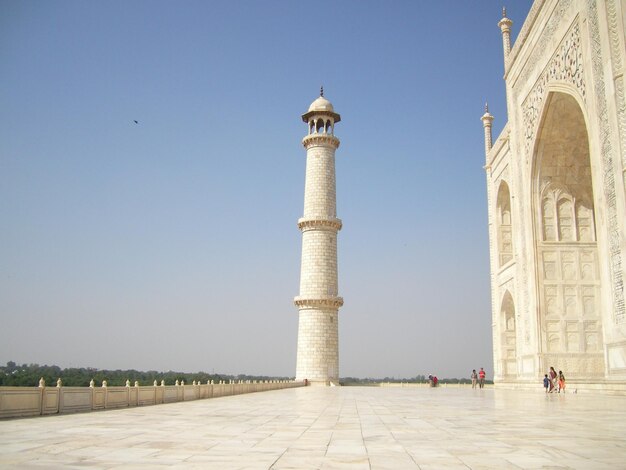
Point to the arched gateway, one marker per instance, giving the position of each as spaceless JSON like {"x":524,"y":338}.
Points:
{"x":556,"y":180}
{"x":568,"y":281}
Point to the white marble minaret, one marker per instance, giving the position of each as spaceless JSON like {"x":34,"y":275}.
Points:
{"x":318,"y":302}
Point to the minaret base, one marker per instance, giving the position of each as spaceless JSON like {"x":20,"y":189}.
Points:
{"x":318,"y":354}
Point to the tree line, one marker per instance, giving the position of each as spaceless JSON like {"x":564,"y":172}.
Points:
{"x":28,"y":375}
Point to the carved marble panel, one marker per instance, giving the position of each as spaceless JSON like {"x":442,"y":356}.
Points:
{"x":568,"y":265}
{"x":566,"y":65}
{"x":589,"y":301}
{"x":549,"y":265}
{"x":571,"y":304}
{"x":551,"y":300}
{"x":607,"y":157}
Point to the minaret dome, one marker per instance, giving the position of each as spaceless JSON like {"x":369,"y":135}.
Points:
{"x":321,"y":116}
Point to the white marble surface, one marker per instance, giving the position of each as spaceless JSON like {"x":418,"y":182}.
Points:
{"x":337,"y":427}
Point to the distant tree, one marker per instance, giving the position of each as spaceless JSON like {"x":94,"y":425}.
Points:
{"x":29,"y":375}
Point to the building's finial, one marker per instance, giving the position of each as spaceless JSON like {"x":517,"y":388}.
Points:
{"x":322,"y":90}
{"x":505,"y":26}
{"x":487,"y":117}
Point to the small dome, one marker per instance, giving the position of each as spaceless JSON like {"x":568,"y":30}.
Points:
{"x":321,"y":104}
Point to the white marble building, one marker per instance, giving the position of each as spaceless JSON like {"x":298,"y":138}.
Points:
{"x":557,"y":197}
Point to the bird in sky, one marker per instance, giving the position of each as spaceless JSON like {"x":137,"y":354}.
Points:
{"x":136,"y":122}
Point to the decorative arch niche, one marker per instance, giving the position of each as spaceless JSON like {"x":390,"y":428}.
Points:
{"x":508,"y":335}
{"x":565,"y":240}
{"x":505,"y":233}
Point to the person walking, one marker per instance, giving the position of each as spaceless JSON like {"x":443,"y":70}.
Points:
{"x":553,"y":376}
{"x":561,"y":381}
{"x":481,"y":378}
{"x":546,"y":382}
{"x":474,"y":377}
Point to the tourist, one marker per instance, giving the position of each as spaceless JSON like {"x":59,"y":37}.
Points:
{"x":552,"y":375}
{"x":481,"y":378}
{"x":561,"y":381}
{"x":474,"y":378}
{"x":546,"y":382}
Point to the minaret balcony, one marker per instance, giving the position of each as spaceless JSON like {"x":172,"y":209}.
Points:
{"x":320,"y":140}
{"x":330,"y":301}
{"x":319,"y":223}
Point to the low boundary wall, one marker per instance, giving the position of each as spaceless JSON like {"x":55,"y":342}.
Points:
{"x":426,"y":385}
{"x":36,"y":401}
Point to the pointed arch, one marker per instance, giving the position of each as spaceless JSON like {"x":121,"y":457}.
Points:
{"x":567,"y":255}
{"x":508,"y":335}
{"x":505,"y":231}
{"x":507,"y":309}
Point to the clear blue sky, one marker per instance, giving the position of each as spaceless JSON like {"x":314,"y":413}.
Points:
{"x":172,"y":243}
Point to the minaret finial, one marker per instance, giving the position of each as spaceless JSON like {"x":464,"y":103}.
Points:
{"x":322,"y":90}
{"x":486,"y":107}
{"x":505,"y":26}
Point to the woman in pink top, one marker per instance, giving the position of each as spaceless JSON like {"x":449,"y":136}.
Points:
{"x":552,"y":375}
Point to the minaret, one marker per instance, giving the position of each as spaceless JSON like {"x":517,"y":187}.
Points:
{"x":318,"y":302}
{"x":505,"y":27}
{"x":487,"y":119}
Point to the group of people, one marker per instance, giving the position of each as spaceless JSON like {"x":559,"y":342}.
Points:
{"x":554,"y":383}
{"x":478,"y":377}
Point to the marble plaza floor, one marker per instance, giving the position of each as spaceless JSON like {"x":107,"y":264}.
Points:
{"x":339,"y":427}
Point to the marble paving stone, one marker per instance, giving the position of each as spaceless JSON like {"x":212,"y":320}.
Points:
{"x":333,"y":428}
{"x":346,"y":462}
{"x":298,"y":463}
{"x":392,"y":461}
{"x":482,"y":463}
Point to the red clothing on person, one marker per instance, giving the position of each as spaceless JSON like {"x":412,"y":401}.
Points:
{"x":553,"y":377}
